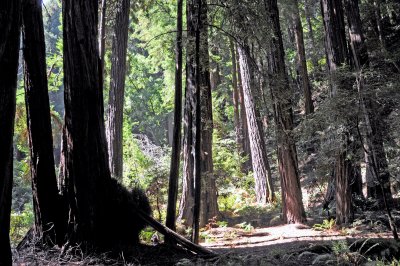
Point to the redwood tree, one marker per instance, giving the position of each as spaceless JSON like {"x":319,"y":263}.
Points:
{"x":261,"y":169}
{"x":46,"y":202}
{"x":292,"y":202}
{"x":9,"y":49}
{"x":177,"y":135}
{"x":84,"y":153}
{"x":336,"y":54}
{"x":117,"y":88}
{"x":198,"y":76}
{"x":209,"y":205}
{"x":301,"y":59}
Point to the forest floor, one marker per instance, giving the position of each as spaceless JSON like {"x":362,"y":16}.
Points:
{"x":368,"y":241}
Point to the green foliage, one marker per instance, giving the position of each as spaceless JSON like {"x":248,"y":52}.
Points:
{"x":147,"y":234}
{"x":222,"y":223}
{"x":247,"y":227}
{"x":20,"y":223}
{"x":327,"y":224}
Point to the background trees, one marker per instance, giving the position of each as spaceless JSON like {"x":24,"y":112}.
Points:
{"x":250,"y":67}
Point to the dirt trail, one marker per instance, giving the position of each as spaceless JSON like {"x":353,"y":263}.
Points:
{"x":229,"y":237}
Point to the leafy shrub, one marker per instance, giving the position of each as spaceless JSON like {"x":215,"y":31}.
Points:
{"x":327,"y":224}
{"x":20,"y":224}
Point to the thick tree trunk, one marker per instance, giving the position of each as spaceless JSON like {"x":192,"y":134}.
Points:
{"x":336,"y":54}
{"x":198,"y":76}
{"x":247,"y":165}
{"x":176,"y":144}
{"x":9,"y":49}
{"x":187,"y":198}
{"x":292,"y":202}
{"x":85,"y":153}
{"x":377,"y":172}
{"x":117,"y":89}
{"x":261,"y":169}
{"x":301,"y":59}
{"x":335,"y":38}
{"x":46,"y":201}
{"x":209,"y":204}
{"x":343,"y":176}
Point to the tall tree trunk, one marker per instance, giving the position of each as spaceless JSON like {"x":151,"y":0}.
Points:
{"x":247,"y":165}
{"x":336,"y":54}
{"x":85,"y":153}
{"x":235,"y":97}
{"x":46,"y":202}
{"x":117,"y":89}
{"x":176,"y":144}
{"x":343,"y":174}
{"x":377,"y":172}
{"x":261,"y":169}
{"x":198,"y":76}
{"x":301,"y":59}
{"x":292,"y":202}
{"x":209,"y":204}
{"x":187,"y":199}
{"x":9,"y":49}
{"x":335,"y":38}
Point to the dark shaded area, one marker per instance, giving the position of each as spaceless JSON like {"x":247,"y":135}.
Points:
{"x":122,"y":224}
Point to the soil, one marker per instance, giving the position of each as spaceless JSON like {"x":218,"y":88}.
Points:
{"x":242,"y":244}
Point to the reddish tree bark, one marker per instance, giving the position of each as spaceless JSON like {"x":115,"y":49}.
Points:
{"x":46,"y":201}
{"x":301,"y":59}
{"x":292,"y":202}
{"x":85,"y":156}
{"x":336,"y":54}
{"x":117,"y":89}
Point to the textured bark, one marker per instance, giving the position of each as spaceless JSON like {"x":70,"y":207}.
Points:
{"x":198,"y":77}
{"x":176,"y":144}
{"x":377,"y":172}
{"x":9,"y":48}
{"x":46,"y":202}
{"x":247,"y":165}
{"x":343,"y":175}
{"x":209,"y":204}
{"x":187,"y":199}
{"x":336,"y":54}
{"x":261,"y":169}
{"x":301,"y":59}
{"x":85,"y":154}
{"x":194,"y":18}
{"x":292,"y":202}
{"x":117,"y":89}
{"x":335,"y":38}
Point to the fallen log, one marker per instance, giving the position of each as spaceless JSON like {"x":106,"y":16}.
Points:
{"x":197,"y":249}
